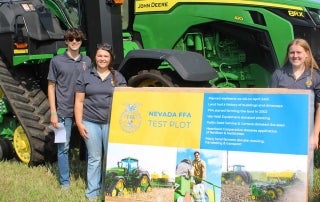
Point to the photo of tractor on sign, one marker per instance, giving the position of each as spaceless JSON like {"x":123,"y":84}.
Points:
{"x":238,"y":175}
{"x":138,"y":173}
{"x":267,"y":181}
{"x":127,"y":178}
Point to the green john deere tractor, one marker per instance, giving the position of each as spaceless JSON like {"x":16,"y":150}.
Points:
{"x":200,"y":43}
{"x":31,"y":33}
{"x":238,"y":176}
{"x":128,"y":177}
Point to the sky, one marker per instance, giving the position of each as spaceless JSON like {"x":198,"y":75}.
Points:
{"x":266,"y":162}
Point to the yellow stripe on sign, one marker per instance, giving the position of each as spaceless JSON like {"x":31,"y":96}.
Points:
{"x":158,"y":119}
{"x":165,"y":5}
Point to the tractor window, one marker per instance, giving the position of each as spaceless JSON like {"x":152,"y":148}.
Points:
{"x":134,"y":165}
{"x":315,"y":14}
{"x":124,"y":164}
{"x":72,"y":4}
{"x":312,"y":36}
{"x":67,"y":11}
{"x":129,"y":164}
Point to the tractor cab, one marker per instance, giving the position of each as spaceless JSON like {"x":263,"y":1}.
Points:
{"x":237,"y":168}
{"x":129,"y":164}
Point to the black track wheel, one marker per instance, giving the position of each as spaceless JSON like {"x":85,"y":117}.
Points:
{"x":3,"y":150}
{"x":6,"y":149}
{"x":239,"y":179}
{"x":151,"y":78}
{"x":31,"y":108}
{"x":10,"y":148}
{"x":145,"y":183}
{"x":117,"y":187}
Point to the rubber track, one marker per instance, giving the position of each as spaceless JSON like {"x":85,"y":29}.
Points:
{"x":112,"y":186}
{"x":31,"y":107}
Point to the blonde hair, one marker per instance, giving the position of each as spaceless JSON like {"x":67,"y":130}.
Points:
{"x":310,"y":62}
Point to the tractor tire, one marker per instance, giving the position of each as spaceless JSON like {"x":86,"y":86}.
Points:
{"x":117,"y":187}
{"x":145,"y":184}
{"x":280,"y":190}
{"x":10,"y":150}
{"x":30,"y":106}
{"x":224,"y":180}
{"x":239,"y":179}
{"x":3,"y":150}
{"x":151,"y":78}
{"x":6,"y":149}
{"x":272,"y":194}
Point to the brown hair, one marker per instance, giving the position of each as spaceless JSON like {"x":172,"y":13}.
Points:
{"x":73,"y":33}
{"x":310,"y":62}
{"x":108,"y":47}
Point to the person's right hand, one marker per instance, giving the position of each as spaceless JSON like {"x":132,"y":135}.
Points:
{"x":54,"y":120}
{"x":83,"y":131}
{"x":315,"y":142}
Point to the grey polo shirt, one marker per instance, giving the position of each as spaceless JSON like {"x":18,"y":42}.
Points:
{"x":98,"y":94}
{"x":64,"y":71}
{"x":284,"y":78}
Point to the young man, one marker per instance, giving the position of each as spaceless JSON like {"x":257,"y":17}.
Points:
{"x":198,"y":168}
{"x":63,"y":73}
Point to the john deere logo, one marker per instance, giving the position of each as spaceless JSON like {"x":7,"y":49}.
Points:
{"x":130,"y":119}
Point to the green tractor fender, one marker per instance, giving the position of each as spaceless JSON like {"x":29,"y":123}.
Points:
{"x":190,"y":66}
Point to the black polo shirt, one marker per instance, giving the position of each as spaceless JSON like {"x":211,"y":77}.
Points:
{"x":98,"y":94}
{"x":284,"y":78}
{"x":64,"y":71}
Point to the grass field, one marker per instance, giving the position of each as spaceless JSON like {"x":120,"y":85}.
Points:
{"x":20,"y":183}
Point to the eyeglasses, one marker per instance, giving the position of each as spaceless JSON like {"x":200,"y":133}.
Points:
{"x":104,"y":46}
{"x":71,"y":39}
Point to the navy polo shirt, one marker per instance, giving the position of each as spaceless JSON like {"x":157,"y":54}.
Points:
{"x":64,"y":71}
{"x":284,"y":78}
{"x":98,"y":94}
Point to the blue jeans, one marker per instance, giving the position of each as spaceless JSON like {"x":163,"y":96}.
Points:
{"x":96,"y":145}
{"x":63,"y":154}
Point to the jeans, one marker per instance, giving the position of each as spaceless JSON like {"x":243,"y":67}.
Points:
{"x":96,"y":145}
{"x":63,"y":154}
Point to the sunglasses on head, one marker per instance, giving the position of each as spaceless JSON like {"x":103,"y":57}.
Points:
{"x":106,"y":47}
{"x":72,"y":38}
